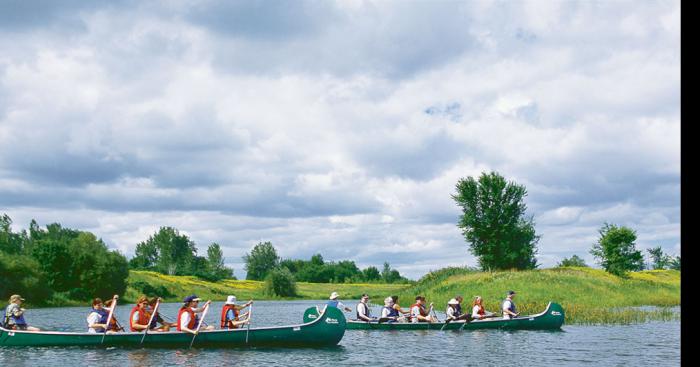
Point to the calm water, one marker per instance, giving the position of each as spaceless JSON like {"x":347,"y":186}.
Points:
{"x":654,"y":343}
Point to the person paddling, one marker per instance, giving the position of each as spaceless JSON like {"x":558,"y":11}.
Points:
{"x":400,"y":310}
{"x":454,"y":310}
{"x":187,"y":319}
{"x":478,"y":310}
{"x":389,"y":313}
{"x":97,"y":318}
{"x":230,"y":318}
{"x":334,"y":302}
{"x":157,"y":318}
{"x":14,"y":315}
{"x":114,"y":325}
{"x":419,"y":313}
{"x":139,"y":317}
{"x":508,"y":307}
{"x":363,"y":309}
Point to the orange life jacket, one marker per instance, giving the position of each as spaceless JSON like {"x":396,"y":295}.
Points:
{"x":423,"y":311}
{"x":143,"y":318}
{"x":192,"y":322}
{"x":228,"y":323}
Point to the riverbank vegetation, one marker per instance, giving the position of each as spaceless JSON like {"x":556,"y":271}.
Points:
{"x":589,"y":296}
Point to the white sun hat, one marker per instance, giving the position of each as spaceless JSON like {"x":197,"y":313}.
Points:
{"x":453,"y":302}
{"x":231,"y":300}
{"x":334,"y":295}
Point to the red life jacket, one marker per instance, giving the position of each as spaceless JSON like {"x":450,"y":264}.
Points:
{"x":143,"y":318}
{"x":481,"y":310}
{"x":423,"y":311}
{"x":192,"y":322}
{"x":228,"y":323}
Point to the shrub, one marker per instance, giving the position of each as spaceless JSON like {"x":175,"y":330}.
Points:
{"x":280,"y":282}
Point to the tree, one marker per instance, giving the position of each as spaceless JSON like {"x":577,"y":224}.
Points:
{"x":675,"y":263}
{"x":280,"y":282}
{"x":215,"y":259}
{"x":572,"y":261}
{"x":261,"y":260}
{"x":371,"y":274}
{"x":616,"y":250}
{"x":10,"y":242}
{"x":659,"y":260}
{"x":167,"y":252}
{"x":493,"y":222}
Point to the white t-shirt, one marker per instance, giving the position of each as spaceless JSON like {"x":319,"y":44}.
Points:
{"x":93,"y":318}
{"x":385,"y":312}
{"x":185,"y":319}
{"x":450,"y":311}
{"x":361,"y":309}
{"x":506,"y":307}
{"x":475,"y":312}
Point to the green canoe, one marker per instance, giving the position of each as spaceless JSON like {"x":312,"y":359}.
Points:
{"x":552,"y":318}
{"x":326,"y":330}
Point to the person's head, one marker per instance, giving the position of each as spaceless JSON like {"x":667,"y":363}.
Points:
{"x":152,"y":302}
{"x":477,"y":300}
{"x":364,"y":298}
{"x":388,"y":302}
{"x":333,"y":296}
{"x":395,"y":298}
{"x":459,"y":298}
{"x":511,"y":294}
{"x":231,"y":300}
{"x":453,"y":302}
{"x":142,"y":301}
{"x":191,"y":301}
{"x":16,"y":298}
{"x":420,"y":300}
{"x":97,"y":303}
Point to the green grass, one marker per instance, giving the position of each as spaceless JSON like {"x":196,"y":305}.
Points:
{"x":589,"y":296}
{"x":181,"y":286}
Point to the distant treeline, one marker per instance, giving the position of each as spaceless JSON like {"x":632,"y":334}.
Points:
{"x":57,"y":262}
{"x":263,"y":259}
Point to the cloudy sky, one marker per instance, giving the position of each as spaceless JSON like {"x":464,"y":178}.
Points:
{"x":340,"y":127}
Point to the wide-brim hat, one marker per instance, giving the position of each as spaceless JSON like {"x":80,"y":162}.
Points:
{"x":231,"y":300}
{"x":334,"y":295}
{"x":15,"y":297}
{"x":453,"y":302}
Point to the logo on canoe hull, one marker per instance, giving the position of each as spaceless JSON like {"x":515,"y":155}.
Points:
{"x":331,"y":321}
{"x":312,"y":316}
{"x":556,"y":313}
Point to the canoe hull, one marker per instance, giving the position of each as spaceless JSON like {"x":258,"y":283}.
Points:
{"x":327,"y":330}
{"x":551,"y":319}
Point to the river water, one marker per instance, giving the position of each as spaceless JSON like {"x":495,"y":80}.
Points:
{"x":648,"y":344}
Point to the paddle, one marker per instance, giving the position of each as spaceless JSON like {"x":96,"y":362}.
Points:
{"x":109,"y":317}
{"x":155,"y":309}
{"x":447,"y":321}
{"x":250,"y":313}
{"x":201,"y":321}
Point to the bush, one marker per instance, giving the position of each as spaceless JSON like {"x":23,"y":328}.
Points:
{"x":280,"y":282}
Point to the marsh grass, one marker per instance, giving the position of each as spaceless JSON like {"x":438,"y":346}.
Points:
{"x":589,"y":296}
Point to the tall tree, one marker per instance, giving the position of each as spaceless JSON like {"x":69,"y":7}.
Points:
{"x":261,"y":260}
{"x":215,"y":258}
{"x":616,"y":250}
{"x":493,"y":222}
{"x":659,"y":260}
{"x":167,"y":251}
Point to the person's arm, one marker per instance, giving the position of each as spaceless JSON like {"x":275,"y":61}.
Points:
{"x":184,"y":320}
{"x":342,"y":306}
{"x":201,"y":309}
{"x":506,"y":309}
{"x":361,"y":313}
{"x":135,"y":322}
{"x":92,"y":322}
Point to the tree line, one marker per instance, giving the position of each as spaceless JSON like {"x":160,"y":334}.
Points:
{"x":502,"y":237}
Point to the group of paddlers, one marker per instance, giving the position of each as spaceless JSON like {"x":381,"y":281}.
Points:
{"x":145,"y":315}
{"x":420,"y":311}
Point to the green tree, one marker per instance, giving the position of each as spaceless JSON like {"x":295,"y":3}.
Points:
{"x":371,"y":274}
{"x":215,"y":259}
{"x":20,"y":274}
{"x":659,"y":260}
{"x":616,"y":250}
{"x":494,"y":222}
{"x":280,"y":282}
{"x":572,"y":261}
{"x":167,"y":251}
{"x":261,"y":260}
{"x":11,"y":242}
{"x":675,"y":263}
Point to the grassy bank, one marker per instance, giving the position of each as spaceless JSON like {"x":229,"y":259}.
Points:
{"x":589,"y":296}
{"x":175,"y":288}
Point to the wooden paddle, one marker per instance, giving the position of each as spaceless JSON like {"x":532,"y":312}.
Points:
{"x":109,"y":317}
{"x":155,"y":309}
{"x":201,"y":321}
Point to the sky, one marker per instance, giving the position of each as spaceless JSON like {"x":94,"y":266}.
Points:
{"x":340,"y":127}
